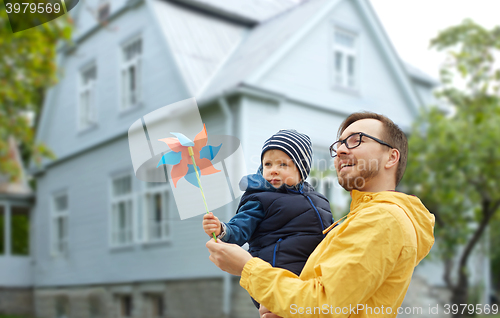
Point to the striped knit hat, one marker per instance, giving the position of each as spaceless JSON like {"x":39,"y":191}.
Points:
{"x":296,"y":145}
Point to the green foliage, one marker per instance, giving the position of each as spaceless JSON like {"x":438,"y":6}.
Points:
{"x":27,"y":69}
{"x":454,"y":158}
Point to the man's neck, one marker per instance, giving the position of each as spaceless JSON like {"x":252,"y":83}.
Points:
{"x":378,"y":188}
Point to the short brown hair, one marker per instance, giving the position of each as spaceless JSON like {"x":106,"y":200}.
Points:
{"x":392,"y":134}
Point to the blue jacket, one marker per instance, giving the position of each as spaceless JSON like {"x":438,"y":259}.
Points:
{"x":281,"y":225}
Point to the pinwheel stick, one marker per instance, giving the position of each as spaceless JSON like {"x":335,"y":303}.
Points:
{"x":190,"y":150}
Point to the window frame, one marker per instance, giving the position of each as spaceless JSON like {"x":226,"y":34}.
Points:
{"x":122,"y":305}
{"x":347,"y":52}
{"x":54,"y":234}
{"x":157,"y":306}
{"x":114,"y":201}
{"x":62,"y":308}
{"x":90,"y":113}
{"x":165,"y":191}
{"x":125,"y":105}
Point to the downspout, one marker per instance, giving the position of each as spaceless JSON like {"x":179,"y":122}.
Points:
{"x":227,"y":286}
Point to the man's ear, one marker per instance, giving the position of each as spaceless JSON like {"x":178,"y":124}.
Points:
{"x":394,"y":156}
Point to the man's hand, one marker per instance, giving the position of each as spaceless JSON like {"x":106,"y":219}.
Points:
{"x":265,"y":313}
{"x":229,"y":257}
{"x":270,"y":315}
{"x":211,"y":224}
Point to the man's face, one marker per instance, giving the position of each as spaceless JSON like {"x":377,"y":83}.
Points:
{"x":358,"y":167}
{"x":278,"y":168}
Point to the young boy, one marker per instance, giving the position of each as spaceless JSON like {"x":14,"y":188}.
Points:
{"x":280,"y":215}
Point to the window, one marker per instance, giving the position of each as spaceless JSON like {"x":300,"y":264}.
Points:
{"x":121,"y":211}
{"x":345,"y":65}
{"x":322,"y":176}
{"x":157,"y":306}
{"x":62,"y":307}
{"x":131,"y":74}
{"x":60,"y":224}
{"x":2,"y":229}
{"x":20,"y":231}
{"x":326,"y":187}
{"x":125,"y":306}
{"x":95,"y":307}
{"x":87,"y":101}
{"x":157,"y":207}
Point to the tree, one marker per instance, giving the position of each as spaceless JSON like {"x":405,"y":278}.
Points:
{"x":27,"y":69}
{"x":454,"y":162}
{"x":495,"y":257}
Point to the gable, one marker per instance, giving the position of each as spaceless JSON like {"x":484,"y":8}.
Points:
{"x":200,"y":43}
{"x":305,"y":72}
{"x":256,"y":49}
{"x":279,"y":56}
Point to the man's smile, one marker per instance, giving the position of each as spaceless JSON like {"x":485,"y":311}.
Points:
{"x":345,"y":164}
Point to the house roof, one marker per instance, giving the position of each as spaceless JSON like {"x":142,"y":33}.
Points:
{"x":199,"y":42}
{"x":216,"y":55}
{"x":259,"y":45}
{"x":251,"y":11}
{"x":266,"y":43}
{"x":421,"y":76}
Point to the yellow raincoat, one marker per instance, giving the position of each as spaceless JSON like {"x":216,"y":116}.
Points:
{"x":362,"y":268}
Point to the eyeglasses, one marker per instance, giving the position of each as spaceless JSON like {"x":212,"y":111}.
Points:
{"x":353,"y":141}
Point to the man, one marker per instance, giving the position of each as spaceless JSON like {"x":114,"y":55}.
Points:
{"x":363,"y":266}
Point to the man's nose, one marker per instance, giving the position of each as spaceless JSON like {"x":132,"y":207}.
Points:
{"x":342,"y":149}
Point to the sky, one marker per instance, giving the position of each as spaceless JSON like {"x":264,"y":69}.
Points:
{"x":411,"y":24}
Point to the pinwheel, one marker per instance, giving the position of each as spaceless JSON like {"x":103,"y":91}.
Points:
{"x":189,"y":156}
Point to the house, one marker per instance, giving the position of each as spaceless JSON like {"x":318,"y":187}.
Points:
{"x":105,"y":244}
{"x":16,"y":276}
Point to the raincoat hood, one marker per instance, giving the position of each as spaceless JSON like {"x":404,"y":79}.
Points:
{"x":422,"y":220}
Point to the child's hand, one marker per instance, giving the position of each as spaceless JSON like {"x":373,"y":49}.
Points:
{"x":211,"y":224}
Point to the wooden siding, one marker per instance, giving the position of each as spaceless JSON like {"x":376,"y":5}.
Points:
{"x":161,"y":85}
{"x":90,"y":259}
{"x":85,"y":14}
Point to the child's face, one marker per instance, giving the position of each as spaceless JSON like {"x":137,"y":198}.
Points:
{"x":278,"y":168}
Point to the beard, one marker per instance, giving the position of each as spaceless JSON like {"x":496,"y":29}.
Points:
{"x":350,"y":180}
